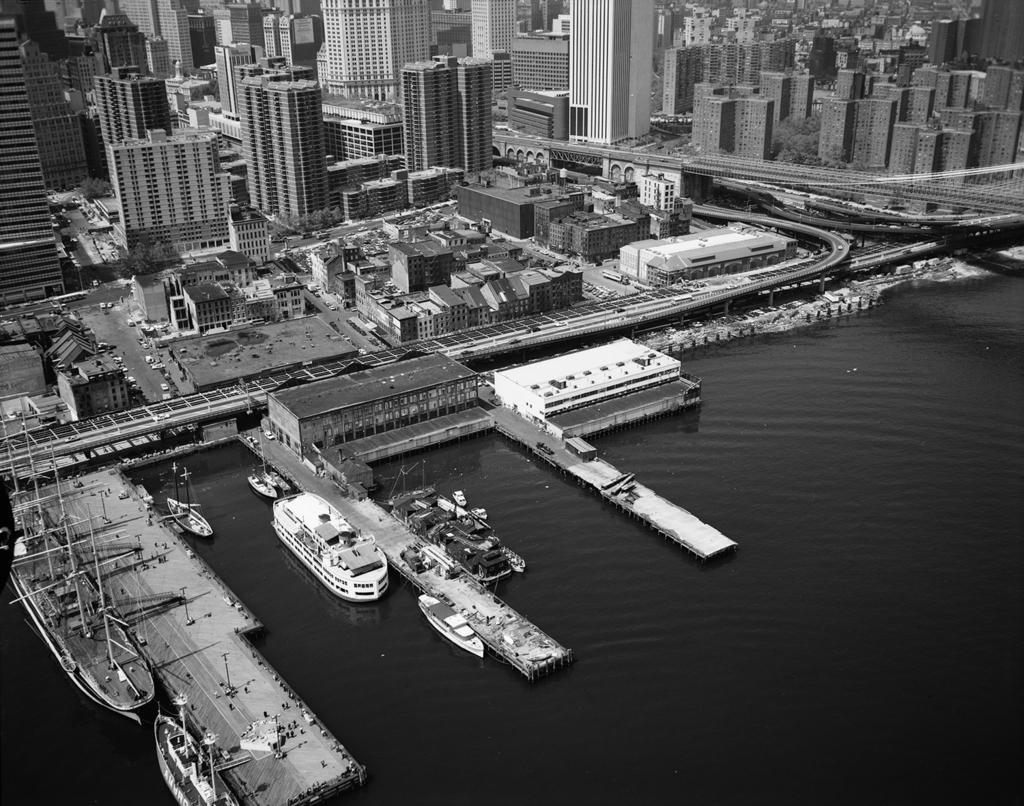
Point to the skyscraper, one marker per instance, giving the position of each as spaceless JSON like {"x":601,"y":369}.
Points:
{"x":130,"y":104}
{"x":447,"y":105}
{"x":228,"y":59}
{"x":58,"y":131}
{"x":166,"y":18}
{"x":610,"y":70}
{"x":283,"y":144}
{"x":39,"y":24}
{"x":203,"y":36}
{"x":29,"y":265}
{"x":1002,"y":30}
{"x":246,"y":23}
{"x":120,"y":42}
{"x":171,"y":189}
{"x":368,"y":41}
{"x":494,"y":25}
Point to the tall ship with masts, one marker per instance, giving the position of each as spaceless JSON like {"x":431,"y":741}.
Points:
{"x":186,"y":513}
{"x":186,"y":762}
{"x":57,"y":574}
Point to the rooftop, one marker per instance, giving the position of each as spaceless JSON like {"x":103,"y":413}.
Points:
{"x":723,"y":243}
{"x":205,"y":292}
{"x":426,"y":247}
{"x":584,"y":368}
{"x":257,"y":350}
{"x":365,"y":386}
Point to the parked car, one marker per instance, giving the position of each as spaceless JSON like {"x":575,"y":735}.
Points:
{"x":164,"y":387}
{"x":269,"y":435}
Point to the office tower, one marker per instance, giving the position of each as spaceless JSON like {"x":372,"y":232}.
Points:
{"x":610,"y":70}
{"x":158,"y":59}
{"x":544,"y":12}
{"x":166,"y":18}
{"x":283,"y":144}
{"x":540,"y":62}
{"x":664,"y":27}
{"x":246,"y":21}
{"x":29,"y":265}
{"x":143,"y":13}
{"x":296,"y":39}
{"x":793,"y":93}
{"x":203,"y":35}
{"x":171,"y":189}
{"x":451,"y":32}
{"x":368,"y":41}
{"x":39,"y":24}
{"x":1002,"y":30}
{"x":228,"y":59}
{"x":501,"y":72}
{"x":447,"y":105}
{"x":130,"y":104}
{"x":119,"y":41}
{"x":735,"y":125}
{"x":494,"y":26}
{"x":58,"y":131}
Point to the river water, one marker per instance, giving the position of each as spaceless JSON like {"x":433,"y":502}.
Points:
{"x":863,"y":645}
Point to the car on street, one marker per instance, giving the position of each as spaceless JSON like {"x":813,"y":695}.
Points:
{"x":269,"y":435}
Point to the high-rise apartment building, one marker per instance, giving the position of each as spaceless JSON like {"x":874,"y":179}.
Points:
{"x":158,"y":57}
{"x":732,"y":124}
{"x":447,"y":105}
{"x":129,"y":105}
{"x":698,"y":29}
{"x":171,"y":189}
{"x":793,"y":93}
{"x":924,"y":149}
{"x":858,"y":131}
{"x":1004,"y":88}
{"x":540,"y":62}
{"x":283,"y":143}
{"x":29,"y":265}
{"x":366,"y":43}
{"x":1002,"y":30}
{"x":58,"y":131}
{"x":494,"y":26}
{"x":610,"y":70}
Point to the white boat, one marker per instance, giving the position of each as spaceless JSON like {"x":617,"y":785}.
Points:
{"x":185,"y":513}
{"x":261,"y":485}
{"x":451,"y":625}
{"x":350,"y":565}
{"x":459,"y":498}
{"x":479,"y":512}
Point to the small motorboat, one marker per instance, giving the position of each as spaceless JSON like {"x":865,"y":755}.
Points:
{"x":459,"y":498}
{"x":479,"y":512}
{"x":261,"y":484}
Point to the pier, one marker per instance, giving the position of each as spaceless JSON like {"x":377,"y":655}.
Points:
{"x":509,"y":636}
{"x":619,"y":489}
{"x":192,"y":629}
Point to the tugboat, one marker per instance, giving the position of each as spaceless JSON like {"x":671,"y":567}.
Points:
{"x":451,"y":625}
{"x":191,"y":777}
{"x":185,"y":513}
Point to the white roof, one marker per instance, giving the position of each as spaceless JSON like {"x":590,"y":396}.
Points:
{"x":583,"y":368}
{"x":716,"y":244}
{"x":308,"y":508}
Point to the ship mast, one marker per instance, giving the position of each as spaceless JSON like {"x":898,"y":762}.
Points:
{"x":174,"y":472}
{"x":180,"y":700}
{"x":188,"y":495}
{"x":103,"y":598}
{"x":210,"y":739}
{"x":86,"y":629}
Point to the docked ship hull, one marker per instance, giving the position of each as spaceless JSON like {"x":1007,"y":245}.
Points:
{"x":73,"y":668}
{"x":262,"y":487}
{"x":181,"y":788}
{"x":188,"y":519}
{"x":318,"y":571}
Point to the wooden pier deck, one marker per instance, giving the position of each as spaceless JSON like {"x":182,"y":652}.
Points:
{"x":508,"y":635}
{"x":671,"y":521}
{"x":207,"y":657}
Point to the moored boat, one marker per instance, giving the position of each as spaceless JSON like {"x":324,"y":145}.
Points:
{"x":459,"y":498}
{"x":261,"y":485}
{"x":349,"y":564}
{"x":186,"y":513}
{"x":451,"y":625}
{"x":190,"y":775}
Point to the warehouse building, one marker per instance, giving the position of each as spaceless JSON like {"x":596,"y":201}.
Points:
{"x":582,"y":378}
{"x":724,"y":250}
{"x":315,"y":416}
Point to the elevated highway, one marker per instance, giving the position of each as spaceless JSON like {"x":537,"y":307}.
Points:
{"x":593,"y":318}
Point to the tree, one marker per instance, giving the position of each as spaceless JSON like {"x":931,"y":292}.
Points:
{"x":92,"y":188}
{"x":147,"y":256}
{"x":796,"y":140}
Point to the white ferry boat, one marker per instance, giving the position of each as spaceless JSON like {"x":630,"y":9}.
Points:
{"x":451,"y":625}
{"x":350,"y":565}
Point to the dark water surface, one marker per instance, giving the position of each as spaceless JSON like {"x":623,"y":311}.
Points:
{"x":864,"y":644}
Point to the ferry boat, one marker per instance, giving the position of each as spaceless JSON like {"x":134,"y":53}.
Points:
{"x":350,"y":565}
{"x":451,"y":625}
{"x":58,"y":578}
{"x":192,"y":778}
{"x":185,"y":513}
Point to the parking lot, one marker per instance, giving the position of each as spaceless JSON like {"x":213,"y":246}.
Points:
{"x":111,"y":326}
